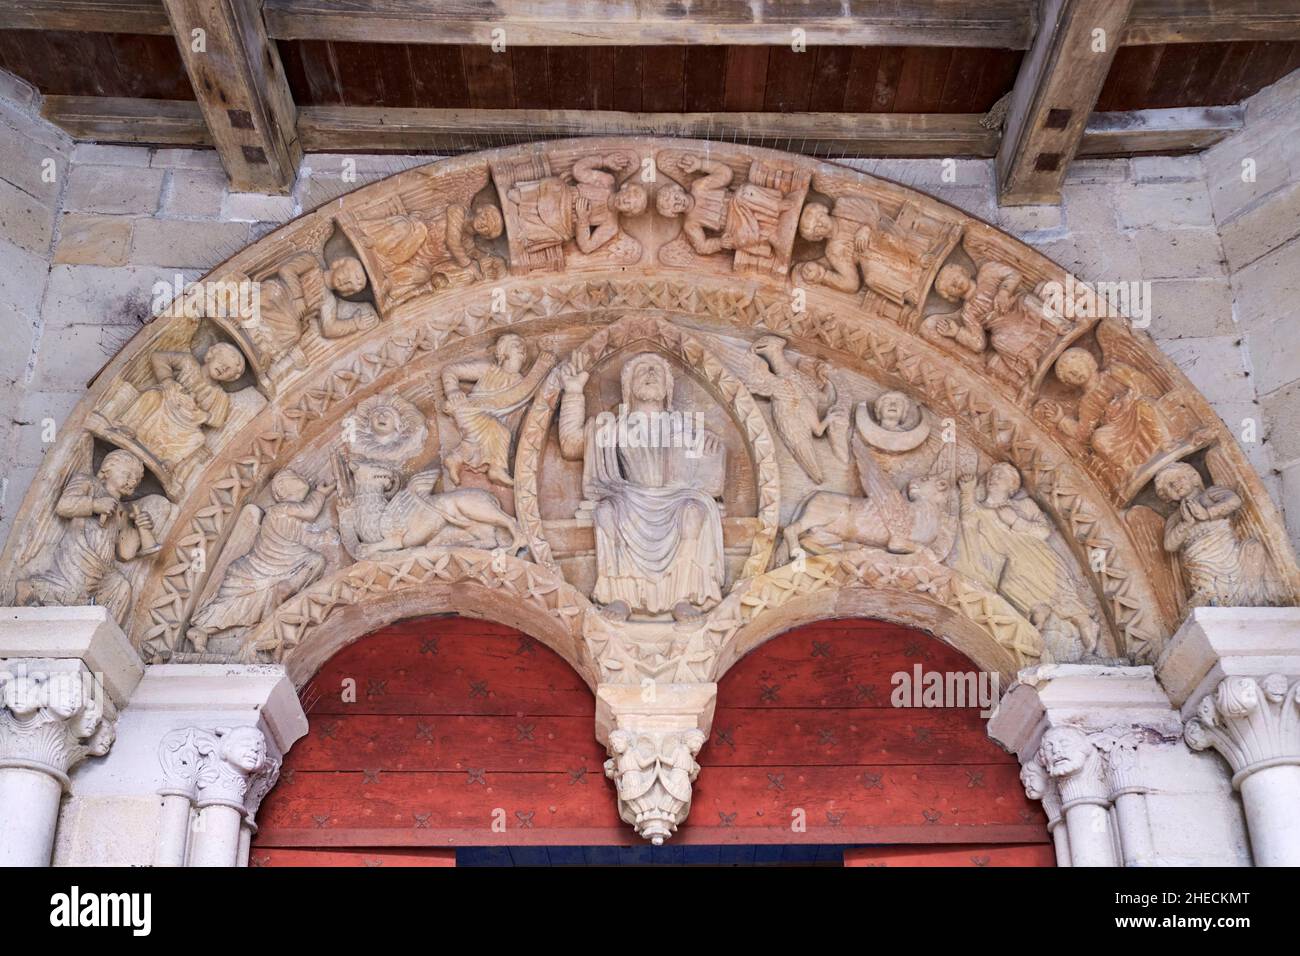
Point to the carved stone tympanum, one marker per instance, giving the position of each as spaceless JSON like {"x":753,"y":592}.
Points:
{"x":653,"y":402}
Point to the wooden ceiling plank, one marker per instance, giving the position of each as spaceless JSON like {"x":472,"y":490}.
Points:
{"x":1211,"y":21}
{"x":1056,"y":91}
{"x":89,"y":16}
{"x":1005,"y":24}
{"x":241,"y":87}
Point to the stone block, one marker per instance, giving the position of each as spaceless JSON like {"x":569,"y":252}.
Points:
{"x":40,"y":415}
{"x":185,"y":159}
{"x":1249,"y":165}
{"x":1089,"y":207}
{"x":86,"y":239}
{"x":1023,"y":220}
{"x":1216,"y":365}
{"x":1179,"y":253}
{"x":19,"y":330}
{"x":1268,"y":289}
{"x":1094,"y":256}
{"x":1191,"y":308}
{"x":174,"y":242}
{"x":1162,"y":205}
{"x":1098,"y":171}
{"x":257,"y":207}
{"x":22,"y":278}
{"x":1275,"y":354}
{"x":18,"y":91}
{"x":68,"y":357}
{"x":97,"y":154}
{"x":1261,"y":228}
{"x":119,"y":190}
{"x":24,"y":220}
{"x":194,"y":192}
{"x":90,"y":295}
{"x":1281,"y":409}
{"x":36,"y":166}
{"x":1167,"y":169}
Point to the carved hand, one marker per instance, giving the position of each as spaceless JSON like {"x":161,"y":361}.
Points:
{"x":691,"y":163}
{"x":582,"y":207}
{"x":142,"y":520}
{"x":573,"y":380}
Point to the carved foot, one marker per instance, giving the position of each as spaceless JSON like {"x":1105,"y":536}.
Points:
{"x":900,"y":545}
{"x":686,"y":614}
{"x":501,"y":477}
{"x":616,"y":611}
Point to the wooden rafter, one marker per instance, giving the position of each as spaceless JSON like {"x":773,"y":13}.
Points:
{"x":240,"y":85}
{"x":1054,"y":96}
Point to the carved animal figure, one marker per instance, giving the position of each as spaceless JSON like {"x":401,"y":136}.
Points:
{"x":373,"y":523}
{"x":829,"y":521}
{"x":796,"y":400}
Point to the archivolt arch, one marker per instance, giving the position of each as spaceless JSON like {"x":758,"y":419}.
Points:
{"x":404,"y":290}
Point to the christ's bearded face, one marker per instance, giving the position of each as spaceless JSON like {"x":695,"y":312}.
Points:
{"x":649,"y":384}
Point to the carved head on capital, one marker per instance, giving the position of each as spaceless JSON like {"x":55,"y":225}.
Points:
{"x":1064,"y":751}
{"x":243,"y":748}
{"x":1034,"y":779}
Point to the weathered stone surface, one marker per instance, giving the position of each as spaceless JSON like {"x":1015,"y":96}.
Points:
{"x":1191,"y":308}
{"x":185,"y":159}
{"x":86,"y":295}
{"x":174,"y":242}
{"x":71,"y":355}
{"x":1027,"y":220}
{"x":1180,"y":253}
{"x":1161,"y":205}
{"x":1216,"y":366}
{"x":256,"y":207}
{"x":25,"y":220}
{"x":1167,"y":169}
{"x":1282,"y":407}
{"x":1095,"y":256}
{"x":1275,"y":349}
{"x":22,"y":277}
{"x":86,"y":239}
{"x":120,"y":190}
{"x":194,"y":192}
{"x":1268,"y":289}
{"x":96,"y":154}
{"x":1089,"y":207}
{"x":1261,"y":228}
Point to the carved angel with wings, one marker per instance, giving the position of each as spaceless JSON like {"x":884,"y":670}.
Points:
{"x":804,"y":408}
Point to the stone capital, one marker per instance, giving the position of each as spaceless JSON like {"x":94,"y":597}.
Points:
{"x":53,"y":713}
{"x":1217,"y":643}
{"x":1254,"y":724}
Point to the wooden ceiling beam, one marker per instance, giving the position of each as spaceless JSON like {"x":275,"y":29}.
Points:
{"x":1003,"y":24}
{"x":1006,"y":24}
{"x":372,"y":129}
{"x":1054,"y":95}
{"x":241,"y":88}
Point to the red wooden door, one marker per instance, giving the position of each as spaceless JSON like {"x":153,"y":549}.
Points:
{"x":447,"y":732}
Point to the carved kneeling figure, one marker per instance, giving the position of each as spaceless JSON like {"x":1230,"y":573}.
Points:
{"x":829,"y":521}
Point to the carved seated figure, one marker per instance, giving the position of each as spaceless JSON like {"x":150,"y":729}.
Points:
{"x":859,"y":239}
{"x":658,"y":527}
{"x":99,"y":532}
{"x":1012,"y":326}
{"x":586,"y":212}
{"x":286,"y":306}
{"x":718,"y":217}
{"x":423,"y":253}
{"x":168,"y":419}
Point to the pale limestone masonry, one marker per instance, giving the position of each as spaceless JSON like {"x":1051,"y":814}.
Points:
{"x":1253,"y":179}
{"x":79,"y":258}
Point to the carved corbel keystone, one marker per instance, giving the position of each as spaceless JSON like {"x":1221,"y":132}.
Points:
{"x":653,"y":734}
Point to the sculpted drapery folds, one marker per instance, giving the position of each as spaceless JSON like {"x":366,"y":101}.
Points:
{"x":658,"y":527}
{"x":392,"y":360}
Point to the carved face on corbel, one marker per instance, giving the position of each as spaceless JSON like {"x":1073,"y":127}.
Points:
{"x":1064,"y":751}
{"x":1034,"y":779}
{"x":24,"y":696}
{"x":244,"y":748}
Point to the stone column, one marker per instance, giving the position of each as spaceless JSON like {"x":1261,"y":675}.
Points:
{"x":1068,"y":723}
{"x":652,"y":734}
{"x":1127,"y":791}
{"x":1254,"y":725}
{"x":52,"y":715}
{"x":180,"y":758}
{"x":1234,"y":673}
{"x":1039,"y":786}
{"x":230,"y":759}
{"x":64,"y":672}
